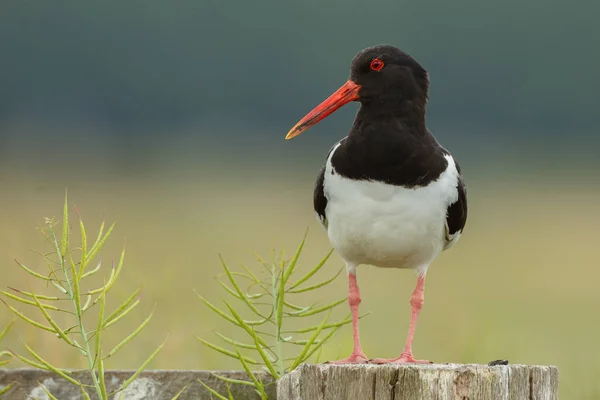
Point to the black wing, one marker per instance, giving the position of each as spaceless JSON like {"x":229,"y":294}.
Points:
{"x":319,"y":199}
{"x":456,"y":215}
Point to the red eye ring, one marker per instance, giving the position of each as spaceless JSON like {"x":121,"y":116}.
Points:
{"x":377,"y":64}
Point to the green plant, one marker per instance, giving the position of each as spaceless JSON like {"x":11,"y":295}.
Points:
{"x":268,"y":300}
{"x":69,"y":274}
{"x":5,"y":356}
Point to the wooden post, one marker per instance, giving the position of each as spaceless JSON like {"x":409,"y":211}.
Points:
{"x":419,"y":382}
{"x":311,"y":382}
{"x":150,"y":385}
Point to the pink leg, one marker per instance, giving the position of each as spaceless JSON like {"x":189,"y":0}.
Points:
{"x":416,"y":302}
{"x":357,"y":355}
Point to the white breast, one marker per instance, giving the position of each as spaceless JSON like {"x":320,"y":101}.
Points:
{"x":385,"y":225}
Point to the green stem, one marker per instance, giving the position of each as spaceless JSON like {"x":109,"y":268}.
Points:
{"x":278,"y":326}
{"x":78,"y":316}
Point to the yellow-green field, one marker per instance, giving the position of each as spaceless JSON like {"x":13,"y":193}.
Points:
{"x":522,"y":283}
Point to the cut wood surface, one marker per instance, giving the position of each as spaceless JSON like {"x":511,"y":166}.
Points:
{"x":420,"y":382}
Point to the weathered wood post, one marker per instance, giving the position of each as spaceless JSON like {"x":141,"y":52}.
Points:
{"x":420,"y":382}
{"x":311,"y":382}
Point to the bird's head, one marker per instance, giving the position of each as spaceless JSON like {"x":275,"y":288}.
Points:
{"x":383,"y":76}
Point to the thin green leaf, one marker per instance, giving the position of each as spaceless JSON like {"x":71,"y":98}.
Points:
{"x":313,"y":271}
{"x":231,"y":380}
{"x":26,"y":319}
{"x":123,"y":314}
{"x":100,"y":289}
{"x":101,"y":381}
{"x":226,"y":352}
{"x":48,"y":394}
{"x":54,"y":274}
{"x":100,"y":241}
{"x":306,"y":348}
{"x":261,"y":390}
{"x":144,"y":365}
{"x":320,"y":309}
{"x":266,"y":289}
{"x":263,"y":355}
{"x":65,"y":232}
{"x":295,"y":313}
{"x":50,"y":367}
{"x":179,"y":393}
{"x":263,"y":333}
{"x":318,"y":357}
{"x":318,"y":285}
{"x":239,"y":291}
{"x":75,"y":280}
{"x":280,"y":299}
{"x":319,"y":346}
{"x":131,"y":336}
{"x":83,"y":261}
{"x":98,"y":238}
{"x":245,"y":325}
{"x":32,"y":272}
{"x":30,"y":362}
{"x":327,"y":326}
{"x":253,"y":296}
{"x":6,"y":389}
{"x":294,"y":260}
{"x":92,"y":272}
{"x":228,"y":317}
{"x":99,"y":327}
{"x":257,"y":384}
{"x":229,"y":290}
{"x":78,"y":346}
{"x":229,"y":392}
{"x":299,"y":342}
{"x":87,"y":303}
{"x":32,"y":303}
{"x":85,"y":393}
{"x":293,"y":306}
{"x":233,"y":342}
{"x":212,"y":391}
{"x":249,"y":272}
{"x":123,"y":309}
{"x":113,"y":279}
{"x":216,"y":309}
{"x":236,"y":273}
{"x":60,"y":287}
{"x":8,"y":357}
{"x":6,"y":329}
{"x":52,"y":322}
{"x":39,"y":296}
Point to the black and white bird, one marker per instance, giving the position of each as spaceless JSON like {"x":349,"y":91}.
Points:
{"x":389,"y":194}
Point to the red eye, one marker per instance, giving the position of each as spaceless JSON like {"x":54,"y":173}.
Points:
{"x":377,"y":64}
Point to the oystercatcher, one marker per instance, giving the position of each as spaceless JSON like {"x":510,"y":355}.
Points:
{"x":389,"y":194}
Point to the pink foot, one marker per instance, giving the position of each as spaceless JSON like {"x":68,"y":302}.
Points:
{"x":355,"y":358}
{"x":403,"y":359}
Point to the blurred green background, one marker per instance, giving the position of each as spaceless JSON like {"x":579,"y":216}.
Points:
{"x":169,"y":118}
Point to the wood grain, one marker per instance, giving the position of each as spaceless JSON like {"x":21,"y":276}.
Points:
{"x":315,"y":382}
{"x":420,"y":382}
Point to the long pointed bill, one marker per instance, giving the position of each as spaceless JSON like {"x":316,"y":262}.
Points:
{"x":345,"y":94}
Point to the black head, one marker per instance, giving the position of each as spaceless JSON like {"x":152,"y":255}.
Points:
{"x":387,"y":73}
{"x":385,"y":80}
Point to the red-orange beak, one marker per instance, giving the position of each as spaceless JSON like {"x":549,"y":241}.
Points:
{"x":345,"y":94}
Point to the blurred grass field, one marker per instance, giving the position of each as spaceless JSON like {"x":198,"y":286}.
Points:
{"x":522,"y":283}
